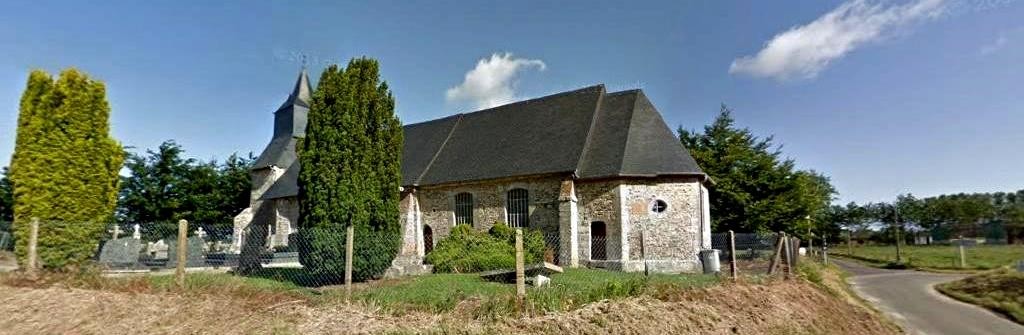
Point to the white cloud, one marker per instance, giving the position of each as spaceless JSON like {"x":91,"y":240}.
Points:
{"x":991,"y":48}
{"x":804,"y":51}
{"x":493,"y":81}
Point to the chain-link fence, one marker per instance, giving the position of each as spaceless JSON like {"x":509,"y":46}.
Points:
{"x":6,"y":237}
{"x":134,"y":247}
{"x":973,"y":253}
{"x":762,"y":253}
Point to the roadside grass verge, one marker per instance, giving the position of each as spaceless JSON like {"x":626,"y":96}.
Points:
{"x":1000,"y":290}
{"x":254,"y":291}
{"x":936,"y":257}
{"x":463,"y":294}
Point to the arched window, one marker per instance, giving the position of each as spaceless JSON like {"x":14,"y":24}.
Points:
{"x":517,"y":208}
{"x":464,"y":208}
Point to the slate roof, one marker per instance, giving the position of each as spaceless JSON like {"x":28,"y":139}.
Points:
{"x":587,"y":133}
{"x":289,"y":124}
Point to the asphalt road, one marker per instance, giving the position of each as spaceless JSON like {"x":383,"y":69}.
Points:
{"x":909,"y":298}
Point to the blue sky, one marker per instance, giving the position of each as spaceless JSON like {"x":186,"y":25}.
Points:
{"x":921,"y":96}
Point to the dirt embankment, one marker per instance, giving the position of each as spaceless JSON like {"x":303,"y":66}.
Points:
{"x":793,"y":307}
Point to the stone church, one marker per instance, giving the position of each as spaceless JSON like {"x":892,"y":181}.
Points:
{"x":599,"y":173}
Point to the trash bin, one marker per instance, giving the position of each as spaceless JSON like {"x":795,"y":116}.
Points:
{"x":709,"y":257}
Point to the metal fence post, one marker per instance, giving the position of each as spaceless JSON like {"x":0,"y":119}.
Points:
{"x":350,"y":233}
{"x":179,"y":272}
{"x":33,"y":241}
{"x":732,"y":255}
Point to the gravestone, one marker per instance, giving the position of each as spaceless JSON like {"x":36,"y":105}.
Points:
{"x":194,"y":255}
{"x":542,"y":269}
{"x":1020,"y":265}
{"x":121,"y":252}
{"x":157,"y":250}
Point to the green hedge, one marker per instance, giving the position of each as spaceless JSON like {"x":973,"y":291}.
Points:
{"x":470,"y":250}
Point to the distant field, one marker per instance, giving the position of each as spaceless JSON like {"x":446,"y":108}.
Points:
{"x":944,"y":257}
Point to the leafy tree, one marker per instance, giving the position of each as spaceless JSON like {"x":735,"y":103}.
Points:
{"x":163,"y":187}
{"x":755,"y":189}
{"x":6,"y":197}
{"x":350,"y":172}
{"x":65,"y":166}
{"x":151,"y":192}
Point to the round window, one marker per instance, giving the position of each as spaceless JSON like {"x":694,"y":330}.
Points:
{"x":659,"y":206}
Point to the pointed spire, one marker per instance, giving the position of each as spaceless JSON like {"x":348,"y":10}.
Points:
{"x":290,"y":118}
{"x":301,"y":94}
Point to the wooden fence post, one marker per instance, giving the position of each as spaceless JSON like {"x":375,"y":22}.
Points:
{"x":795,"y":247}
{"x":777,"y":257}
{"x":824,"y":250}
{"x":520,"y":269}
{"x":179,"y":272}
{"x":350,"y":233}
{"x":963,"y":254}
{"x":788,"y":254}
{"x":732,"y":255}
{"x":33,"y":241}
{"x":849,"y":242}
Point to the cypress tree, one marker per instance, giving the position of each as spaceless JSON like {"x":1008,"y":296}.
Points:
{"x":350,"y":173}
{"x":65,"y":167}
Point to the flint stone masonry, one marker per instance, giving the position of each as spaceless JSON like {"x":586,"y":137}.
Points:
{"x":659,"y":242}
{"x":437,"y":204}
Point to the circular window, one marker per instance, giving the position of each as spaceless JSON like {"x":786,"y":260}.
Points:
{"x":659,"y":206}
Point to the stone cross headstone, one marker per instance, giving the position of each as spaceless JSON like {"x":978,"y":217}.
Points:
{"x":136,"y":233}
{"x":121,"y":252}
{"x":115,"y":232}
{"x":200,"y":232}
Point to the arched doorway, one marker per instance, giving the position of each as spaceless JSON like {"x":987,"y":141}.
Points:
{"x":598,"y":241}
{"x":428,"y":239}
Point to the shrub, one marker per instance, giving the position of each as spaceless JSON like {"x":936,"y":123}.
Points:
{"x":350,"y":172}
{"x":65,"y":167}
{"x":470,"y":250}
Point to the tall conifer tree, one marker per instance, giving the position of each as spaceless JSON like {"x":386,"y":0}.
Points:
{"x":65,"y":166}
{"x":350,"y":172}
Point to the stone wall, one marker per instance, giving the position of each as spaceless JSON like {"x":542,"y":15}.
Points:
{"x":287,"y":210}
{"x":598,"y":201}
{"x":437,"y":204}
{"x":668,"y":241}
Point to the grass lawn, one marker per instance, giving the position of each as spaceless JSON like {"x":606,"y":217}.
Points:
{"x":567,"y":291}
{"x":1001,"y":290}
{"x":944,"y":257}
